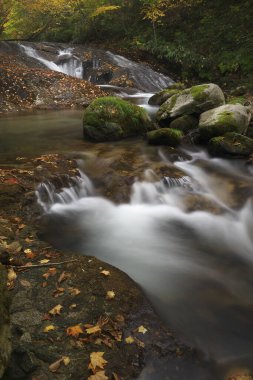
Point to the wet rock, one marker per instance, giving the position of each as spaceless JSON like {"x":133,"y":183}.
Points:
{"x":159,"y":98}
{"x":5,"y":343}
{"x":232,"y":144}
{"x":111,"y":118}
{"x":165,"y":136}
{"x":223,"y":119}
{"x":185,"y":123}
{"x":194,"y":100}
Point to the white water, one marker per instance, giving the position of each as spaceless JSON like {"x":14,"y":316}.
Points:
{"x":196,"y":267}
{"x":68,"y":64}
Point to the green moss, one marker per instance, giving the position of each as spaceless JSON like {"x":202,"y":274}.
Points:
{"x":165,"y":136}
{"x":198,"y":92}
{"x":232,"y":144}
{"x":111,"y":118}
{"x":237,"y":100}
{"x":226,"y":118}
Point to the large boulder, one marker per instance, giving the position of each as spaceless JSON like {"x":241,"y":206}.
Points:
{"x":111,"y":118}
{"x":231,"y":144}
{"x":194,"y":100}
{"x":220,"y":120}
{"x":5,"y":343}
{"x":165,"y":136}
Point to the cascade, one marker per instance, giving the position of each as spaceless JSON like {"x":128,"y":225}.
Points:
{"x":196,"y":266}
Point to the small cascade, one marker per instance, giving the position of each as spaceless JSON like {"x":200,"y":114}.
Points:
{"x":143,"y":76}
{"x":196,"y":267}
{"x":78,"y":187}
{"x":66,"y":62}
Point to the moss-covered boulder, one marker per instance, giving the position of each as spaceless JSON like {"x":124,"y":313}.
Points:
{"x":111,"y":118}
{"x":159,"y":98}
{"x":224,"y":119}
{"x":5,"y":345}
{"x":185,"y":123}
{"x":165,"y":136}
{"x":231,"y":144}
{"x":194,"y":100}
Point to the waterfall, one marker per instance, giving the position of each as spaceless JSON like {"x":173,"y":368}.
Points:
{"x":66,"y":62}
{"x":196,"y":266}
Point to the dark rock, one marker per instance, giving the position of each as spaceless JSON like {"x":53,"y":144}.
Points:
{"x":231,"y":143}
{"x":185,"y":123}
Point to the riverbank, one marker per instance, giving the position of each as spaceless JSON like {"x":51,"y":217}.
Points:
{"x":26,"y":88}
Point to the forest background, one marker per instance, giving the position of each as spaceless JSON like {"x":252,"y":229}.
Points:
{"x":201,"y":39}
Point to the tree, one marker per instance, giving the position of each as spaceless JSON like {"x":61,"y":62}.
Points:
{"x":5,"y":11}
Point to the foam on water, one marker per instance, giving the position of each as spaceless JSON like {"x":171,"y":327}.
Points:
{"x":196,"y":267}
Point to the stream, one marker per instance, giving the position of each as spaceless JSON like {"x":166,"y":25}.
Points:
{"x":184,"y":233}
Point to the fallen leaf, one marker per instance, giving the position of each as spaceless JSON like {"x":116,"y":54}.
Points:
{"x":116,"y":377}
{"x":64,"y":275}
{"x":98,"y":376}
{"x":29,"y":254}
{"x":21,"y":226}
{"x":55,"y":366}
{"x":44,"y":261}
{"x":11,"y":274}
{"x":49,"y":273}
{"x":93,"y":330}
{"x":74,"y":291}
{"x":49,"y":328}
{"x":110,"y":295}
{"x":73,"y":306}
{"x":129,"y":340}
{"x":97,"y":361}
{"x":56,"y":310}
{"x":75,"y":331}
{"x":66,"y":360}
{"x":25,"y":283}
{"x":142,"y":330}
{"x":105,"y":273}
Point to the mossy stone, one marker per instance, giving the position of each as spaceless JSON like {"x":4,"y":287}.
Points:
{"x":185,"y":123}
{"x":224,"y":119}
{"x":159,"y":98}
{"x":194,"y":100}
{"x":165,"y":136}
{"x":231,"y":143}
{"x":110,"y":118}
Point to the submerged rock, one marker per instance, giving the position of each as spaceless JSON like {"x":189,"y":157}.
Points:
{"x":5,"y":343}
{"x":220,"y":120}
{"x":111,"y":118}
{"x":194,"y":100}
{"x":185,"y":123}
{"x":231,"y":143}
{"x":165,"y":136}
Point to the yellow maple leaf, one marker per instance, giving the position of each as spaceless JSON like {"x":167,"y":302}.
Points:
{"x":110,"y":295}
{"x":105,"y":272}
{"x":129,"y":340}
{"x":56,"y":310}
{"x":97,"y":361}
{"x":74,"y":331}
{"x":49,"y":328}
{"x":142,"y":330}
{"x":66,"y":360}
